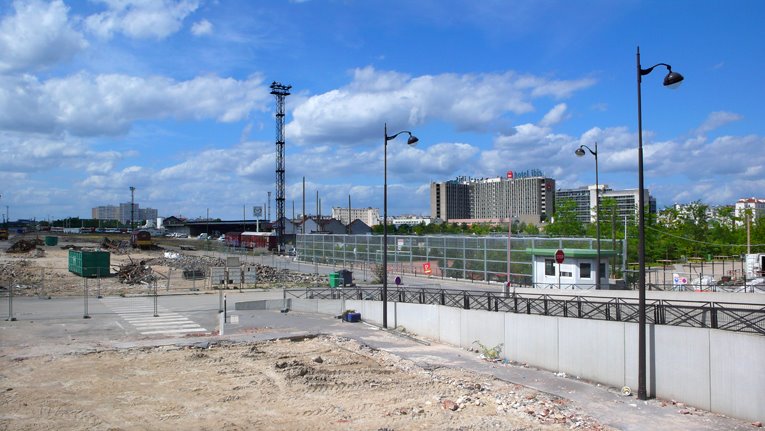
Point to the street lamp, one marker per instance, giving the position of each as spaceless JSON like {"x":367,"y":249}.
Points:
{"x":672,"y":80}
{"x":580,"y":152}
{"x":411,"y":141}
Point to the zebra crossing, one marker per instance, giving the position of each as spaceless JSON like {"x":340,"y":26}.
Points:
{"x":139,"y":313}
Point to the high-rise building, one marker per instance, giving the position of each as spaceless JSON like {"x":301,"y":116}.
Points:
{"x":106,"y":212}
{"x":584,"y":197}
{"x":147,"y":214}
{"x":527,"y":197}
{"x":370,"y":216}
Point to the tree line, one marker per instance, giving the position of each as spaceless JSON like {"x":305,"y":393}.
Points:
{"x":674,"y":235}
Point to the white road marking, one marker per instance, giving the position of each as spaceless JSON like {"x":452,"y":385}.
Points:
{"x":139,"y":313}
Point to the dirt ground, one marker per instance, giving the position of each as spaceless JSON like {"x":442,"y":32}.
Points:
{"x":323,"y":383}
{"x":45,"y":270}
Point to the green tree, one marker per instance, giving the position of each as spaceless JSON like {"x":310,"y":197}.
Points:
{"x":565,"y":222}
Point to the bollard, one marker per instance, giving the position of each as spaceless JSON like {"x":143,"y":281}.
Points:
{"x":225,"y":319}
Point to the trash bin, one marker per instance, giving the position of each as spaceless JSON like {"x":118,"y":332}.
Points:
{"x":51,"y":240}
{"x":346,"y":277}
{"x":334,"y":279}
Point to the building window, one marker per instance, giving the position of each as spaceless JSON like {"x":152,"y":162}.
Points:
{"x":602,"y":270}
{"x":549,"y":267}
{"x":585,"y":270}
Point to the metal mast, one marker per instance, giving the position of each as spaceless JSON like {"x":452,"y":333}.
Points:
{"x":280,"y":91}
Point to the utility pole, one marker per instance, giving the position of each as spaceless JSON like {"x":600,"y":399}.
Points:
{"x":268,"y":207}
{"x":132,"y":207}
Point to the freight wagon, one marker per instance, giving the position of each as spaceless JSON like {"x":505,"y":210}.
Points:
{"x":267,"y":240}
{"x":233,"y":239}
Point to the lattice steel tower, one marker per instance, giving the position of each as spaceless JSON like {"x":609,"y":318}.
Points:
{"x":280,"y":91}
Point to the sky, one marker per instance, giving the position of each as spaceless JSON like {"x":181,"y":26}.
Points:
{"x":172,"y":97}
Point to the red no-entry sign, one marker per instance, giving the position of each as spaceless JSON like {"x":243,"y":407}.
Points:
{"x":559,"y":256}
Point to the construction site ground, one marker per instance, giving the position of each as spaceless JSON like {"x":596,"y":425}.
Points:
{"x":287,"y":371}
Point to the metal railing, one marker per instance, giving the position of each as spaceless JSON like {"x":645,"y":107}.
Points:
{"x":729,"y":316}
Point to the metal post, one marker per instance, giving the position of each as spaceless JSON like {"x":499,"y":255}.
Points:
{"x":642,"y":393}
{"x":156,"y":314}
{"x":85,"y":314}
{"x":385,"y":230}
{"x":10,"y":303}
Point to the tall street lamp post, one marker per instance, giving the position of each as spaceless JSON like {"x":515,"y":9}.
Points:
{"x":672,"y":80}
{"x":411,"y":141}
{"x":580,"y":152}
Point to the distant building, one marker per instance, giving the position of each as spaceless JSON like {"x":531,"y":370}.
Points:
{"x":370,"y":216}
{"x":626,"y":201}
{"x":147,"y":214}
{"x":528,"y":197}
{"x":313,"y":225}
{"x":755,"y":206}
{"x":106,"y":212}
{"x":358,"y":227}
{"x":410,"y":220}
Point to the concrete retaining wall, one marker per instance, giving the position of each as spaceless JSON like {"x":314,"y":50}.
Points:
{"x":715,"y":370}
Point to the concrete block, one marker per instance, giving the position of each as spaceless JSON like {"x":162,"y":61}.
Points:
{"x":682,"y":364}
{"x":532,"y":340}
{"x":486,"y":327}
{"x":331,"y":307}
{"x":737,"y":374}
{"x":250,"y":305}
{"x":592,"y":349}
{"x":449,"y":319}
{"x":419,"y":319}
{"x":305,"y":305}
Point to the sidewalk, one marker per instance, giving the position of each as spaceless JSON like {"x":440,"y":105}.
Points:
{"x":605,"y":404}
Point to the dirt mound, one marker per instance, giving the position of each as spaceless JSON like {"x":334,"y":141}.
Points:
{"x":24,"y":245}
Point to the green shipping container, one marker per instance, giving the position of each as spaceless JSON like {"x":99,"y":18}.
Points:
{"x":51,"y":240}
{"x":89,"y":263}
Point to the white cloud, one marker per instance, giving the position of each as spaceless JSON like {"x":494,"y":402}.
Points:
{"x":30,"y":152}
{"x":554,"y":116}
{"x":716,"y":120}
{"x":140,"y":18}
{"x":201,"y":28}
{"x":84,"y":105}
{"x":36,"y":36}
{"x":470,"y":101}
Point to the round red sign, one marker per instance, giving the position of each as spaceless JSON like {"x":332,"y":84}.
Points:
{"x":559,"y":256}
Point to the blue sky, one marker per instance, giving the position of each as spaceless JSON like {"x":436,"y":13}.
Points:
{"x":172,"y":97}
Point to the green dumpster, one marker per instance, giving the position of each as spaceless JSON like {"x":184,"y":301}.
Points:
{"x":334,"y":279}
{"x":51,"y":240}
{"x":89,"y":263}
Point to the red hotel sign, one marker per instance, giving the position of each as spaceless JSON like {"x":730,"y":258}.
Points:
{"x":426,"y":268}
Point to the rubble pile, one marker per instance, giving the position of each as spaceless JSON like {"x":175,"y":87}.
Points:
{"x":269,"y":274}
{"x":20,"y":269}
{"x":186,"y":262}
{"x":135,"y":273}
{"x":115,"y":246}
{"x":24,"y":245}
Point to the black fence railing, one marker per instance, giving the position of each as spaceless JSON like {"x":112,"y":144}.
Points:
{"x":729,"y":316}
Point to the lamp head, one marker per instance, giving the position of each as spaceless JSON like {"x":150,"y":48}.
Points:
{"x":579,"y":152}
{"x":673,"y":79}
{"x":412,"y":140}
